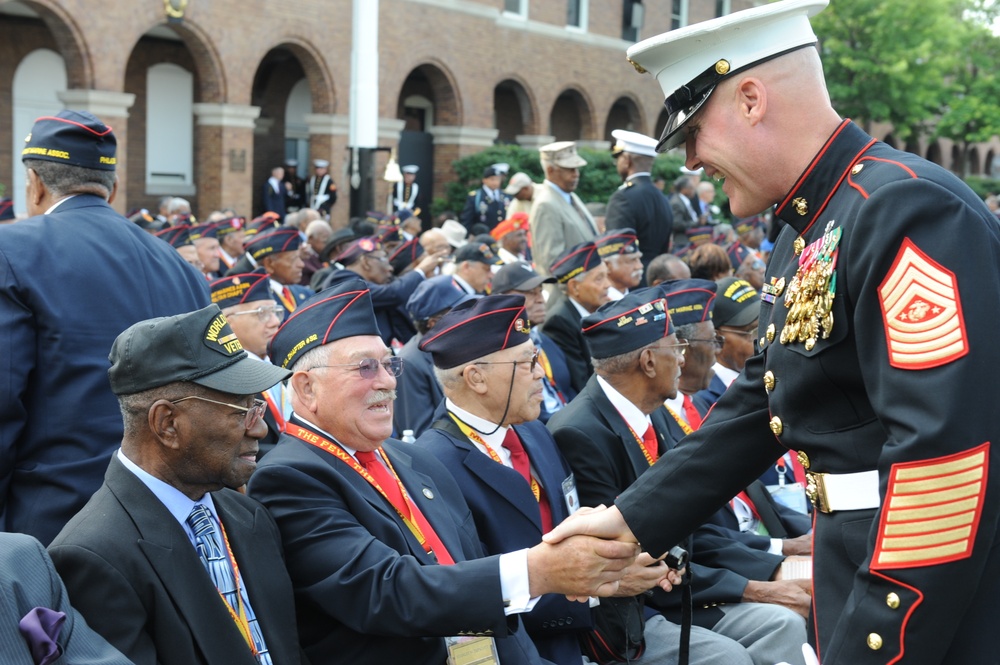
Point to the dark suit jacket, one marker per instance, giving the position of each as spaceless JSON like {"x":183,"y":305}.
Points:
{"x":507,"y":519}
{"x":133,"y":573}
{"x":273,"y":201}
{"x":418,"y":389}
{"x":560,"y":370}
{"x":28,"y":581}
{"x":481,"y":208}
{"x":606,"y":460}
{"x":366,"y":591}
{"x":242,"y":266}
{"x":563,"y":325}
{"x":639,"y":205}
{"x":70,"y":282}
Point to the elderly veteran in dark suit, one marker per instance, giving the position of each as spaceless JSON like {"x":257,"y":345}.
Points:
{"x":38,"y":626}
{"x":382,"y":548}
{"x":582,"y":280}
{"x":614,"y":431}
{"x":513,"y":477}
{"x":167,"y":560}
{"x":276,"y":253}
{"x":72,"y":277}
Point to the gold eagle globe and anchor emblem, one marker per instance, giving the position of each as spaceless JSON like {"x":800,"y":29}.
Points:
{"x":175,"y":9}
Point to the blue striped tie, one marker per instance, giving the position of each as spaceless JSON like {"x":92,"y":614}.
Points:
{"x":209,"y":546}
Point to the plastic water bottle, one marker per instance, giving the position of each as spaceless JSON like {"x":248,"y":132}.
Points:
{"x":408,"y":436}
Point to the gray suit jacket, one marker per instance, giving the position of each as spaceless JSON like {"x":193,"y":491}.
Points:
{"x":28,"y":580}
{"x":134,"y":574}
{"x":556,"y":225}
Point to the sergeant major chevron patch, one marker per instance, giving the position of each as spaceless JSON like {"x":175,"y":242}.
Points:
{"x":922,"y":312}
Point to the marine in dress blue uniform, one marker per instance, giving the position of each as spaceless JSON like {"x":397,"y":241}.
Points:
{"x":877,"y":335}
{"x":72,"y":277}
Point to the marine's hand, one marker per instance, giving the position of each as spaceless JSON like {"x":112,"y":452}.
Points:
{"x":599,"y":522}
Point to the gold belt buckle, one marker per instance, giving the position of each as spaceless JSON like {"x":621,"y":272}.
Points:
{"x":816,"y":491}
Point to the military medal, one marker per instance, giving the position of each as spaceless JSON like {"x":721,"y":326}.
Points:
{"x":770,"y":292}
{"x":810,"y":294}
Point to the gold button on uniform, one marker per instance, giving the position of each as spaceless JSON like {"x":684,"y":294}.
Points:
{"x":769,"y":380}
{"x":874,"y":641}
{"x":769,"y":333}
{"x":892,"y":600}
{"x":776,"y":427}
{"x":856,"y":169}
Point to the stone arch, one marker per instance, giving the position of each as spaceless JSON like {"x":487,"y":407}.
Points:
{"x":514,"y":111}
{"x":434,"y":82}
{"x":624,"y":113}
{"x":913,"y":146}
{"x":571,"y":117}
{"x":68,"y":39}
{"x":890,"y":140}
{"x":990,"y":158}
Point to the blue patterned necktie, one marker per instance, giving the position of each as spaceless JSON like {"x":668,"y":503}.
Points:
{"x":213,"y":556}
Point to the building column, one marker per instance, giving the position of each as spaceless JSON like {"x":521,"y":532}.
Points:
{"x":534,"y":141}
{"x":223,"y":160}
{"x":112,"y":109}
{"x":594,"y":145}
{"x":328,"y":140}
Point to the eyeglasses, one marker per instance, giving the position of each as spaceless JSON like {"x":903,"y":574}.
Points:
{"x":680,"y":348}
{"x":380,"y":259}
{"x":263,"y":313}
{"x":749,"y":334}
{"x":368,"y":367}
{"x":251,"y":416}
{"x":531,"y":363}
{"x":719,"y":341}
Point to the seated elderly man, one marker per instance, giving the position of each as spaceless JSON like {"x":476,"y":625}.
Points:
{"x":620,"y":250}
{"x":167,"y":560}
{"x":382,"y":549}
{"x":582,"y":280}
{"x":616,"y":428}
{"x":516,"y":482}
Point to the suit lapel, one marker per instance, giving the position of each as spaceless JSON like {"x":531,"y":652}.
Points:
{"x":497,"y":475}
{"x":425,"y":494}
{"x":545,"y":467}
{"x":620,"y":427}
{"x":175,"y":562}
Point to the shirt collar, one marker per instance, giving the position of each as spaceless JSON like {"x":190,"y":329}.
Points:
{"x":563,"y":193}
{"x":632,"y":414}
{"x":725,"y":374}
{"x":494,"y":440}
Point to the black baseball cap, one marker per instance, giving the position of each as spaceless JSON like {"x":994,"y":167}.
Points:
{"x":198,"y":346}
{"x":519,"y":276}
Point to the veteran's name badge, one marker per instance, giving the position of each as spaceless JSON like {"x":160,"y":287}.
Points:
{"x":471,"y":651}
{"x":569,"y":494}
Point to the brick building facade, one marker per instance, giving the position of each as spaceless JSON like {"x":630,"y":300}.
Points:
{"x":250,"y":83}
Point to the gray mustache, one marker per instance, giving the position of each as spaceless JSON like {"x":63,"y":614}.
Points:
{"x":381,"y":396}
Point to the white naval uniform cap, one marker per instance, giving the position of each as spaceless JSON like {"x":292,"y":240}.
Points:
{"x":688,"y":63}
{"x":637,"y":144}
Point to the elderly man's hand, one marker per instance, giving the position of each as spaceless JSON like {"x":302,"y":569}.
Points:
{"x":579,"y":566}
{"x":645,"y":574}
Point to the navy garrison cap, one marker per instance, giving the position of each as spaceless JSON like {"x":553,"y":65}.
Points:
{"x":237,"y":289}
{"x":435,"y":295}
{"x":617,"y":241}
{"x":405,"y":254}
{"x":575,"y":261}
{"x":209,"y":230}
{"x":689,"y":300}
{"x":343,"y":310}
{"x":620,"y":326}
{"x":76,"y":138}
{"x":266,"y":243}
{"x":481,"y":252}
{"x":357,"y":249}
{"x":477,"y":328}
{"x":177,"y":236}
{"x":198,"y":346}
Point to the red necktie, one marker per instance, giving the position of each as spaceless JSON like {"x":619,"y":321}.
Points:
{"x":289,"y":298}
{"x":691,"y":413}
{"x":519,"y":460}
{"x":389,"y":484}
{"x":650,"y":443}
